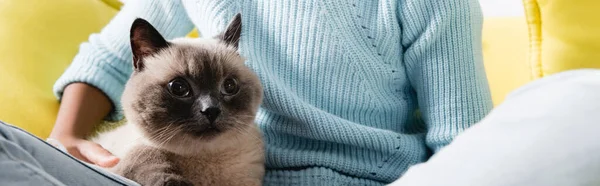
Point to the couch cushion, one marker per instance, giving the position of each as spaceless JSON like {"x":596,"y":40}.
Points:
{"x":563,"y":35}
{"x":505,"y":55}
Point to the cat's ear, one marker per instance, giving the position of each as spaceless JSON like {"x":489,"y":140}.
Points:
{"x":145,"y":41}
{"x":231,"y":35}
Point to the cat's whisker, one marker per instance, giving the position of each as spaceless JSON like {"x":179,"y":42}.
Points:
{"x":157,"y":136}
{"x":161,"y":135}
{"x":245,"y":131}
{"x":165,"y":135}
{"x":160,"y":131}
{"x":173,"y":132}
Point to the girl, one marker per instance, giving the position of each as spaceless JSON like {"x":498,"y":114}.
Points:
{"x":355,"y":91}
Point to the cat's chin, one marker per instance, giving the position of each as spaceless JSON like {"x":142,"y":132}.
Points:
{"x":206,"y":133}
{"x":209,"y":141}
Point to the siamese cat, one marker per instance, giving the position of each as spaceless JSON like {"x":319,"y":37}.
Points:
{"x":190,"y":105}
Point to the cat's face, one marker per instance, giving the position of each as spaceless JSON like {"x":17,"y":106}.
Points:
{"x":189,"y":88}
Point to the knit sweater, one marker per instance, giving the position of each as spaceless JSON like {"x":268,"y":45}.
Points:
{"x":355,"y":91}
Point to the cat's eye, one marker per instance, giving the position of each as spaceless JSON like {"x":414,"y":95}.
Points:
{"x":179,"y":87}
{"x":230,"y":87}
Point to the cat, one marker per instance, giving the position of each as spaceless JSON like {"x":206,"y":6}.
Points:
{"x":190,"y":106}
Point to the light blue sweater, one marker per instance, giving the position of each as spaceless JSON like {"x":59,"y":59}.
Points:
{"x":343,"y":79}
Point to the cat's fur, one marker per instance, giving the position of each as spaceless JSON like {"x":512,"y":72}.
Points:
{"x":168,"y":140}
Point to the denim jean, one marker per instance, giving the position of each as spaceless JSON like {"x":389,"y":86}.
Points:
{"x":28,"y":160}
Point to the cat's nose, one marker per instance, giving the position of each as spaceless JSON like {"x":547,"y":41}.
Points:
{"x":211,"y":113}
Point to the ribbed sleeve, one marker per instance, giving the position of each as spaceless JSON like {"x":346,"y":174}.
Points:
{"x":105,"y":60}
{"x":445,"y":65}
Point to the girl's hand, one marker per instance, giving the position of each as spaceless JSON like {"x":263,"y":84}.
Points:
{"x":89,"y":152}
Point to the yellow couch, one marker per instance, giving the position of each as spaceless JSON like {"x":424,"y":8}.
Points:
{"x":40,"y":37}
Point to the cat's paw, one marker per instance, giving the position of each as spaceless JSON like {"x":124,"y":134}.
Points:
{"x":177,"y":182}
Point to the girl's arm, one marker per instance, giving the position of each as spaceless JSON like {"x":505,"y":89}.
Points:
{"x":90,"y":89}
{"x":443,"y":57}
{"x":77,"y":118}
